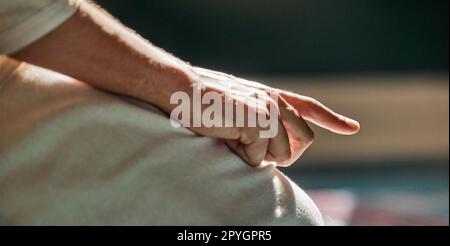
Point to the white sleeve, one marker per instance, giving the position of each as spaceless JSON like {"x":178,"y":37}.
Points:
{"x":24,"y":21}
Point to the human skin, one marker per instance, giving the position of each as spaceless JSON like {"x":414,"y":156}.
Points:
{"x":93,"y":47}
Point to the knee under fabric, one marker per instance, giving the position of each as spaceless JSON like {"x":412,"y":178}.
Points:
{"x":74,"y":155}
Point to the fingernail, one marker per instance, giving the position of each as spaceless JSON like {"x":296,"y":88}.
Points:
{"x":353,"y":124}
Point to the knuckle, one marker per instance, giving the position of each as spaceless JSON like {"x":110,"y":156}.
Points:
{"x":248,"y":135}
{"x":235,"y":133}
{"x":254,"y":161}
{"x":273,"y":103}
{"x":312,"y":102}
{"x":283,"y":155}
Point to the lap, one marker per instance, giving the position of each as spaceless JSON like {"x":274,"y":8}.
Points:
{"x":70,"y":154}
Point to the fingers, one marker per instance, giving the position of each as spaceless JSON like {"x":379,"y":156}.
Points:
{"x":246,"y":141}
{"x":256,"y":151}
{"x":251,"y":151}
{"x":292,"y":138}
{"x":279,"y":149}
{"x":300,"y":134}
{"x":312,"y":110}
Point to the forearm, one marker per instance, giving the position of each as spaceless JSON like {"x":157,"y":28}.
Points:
{"x":93,"y":47}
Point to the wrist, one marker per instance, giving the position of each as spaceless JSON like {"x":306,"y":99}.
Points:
{"x":164,"y":81}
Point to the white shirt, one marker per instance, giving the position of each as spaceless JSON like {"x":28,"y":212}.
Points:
{"x":25,"y":21}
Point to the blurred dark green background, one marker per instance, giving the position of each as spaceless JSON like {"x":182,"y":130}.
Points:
{"x":295,"y":36}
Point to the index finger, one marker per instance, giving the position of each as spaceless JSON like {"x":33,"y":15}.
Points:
{"x":317,"y":113}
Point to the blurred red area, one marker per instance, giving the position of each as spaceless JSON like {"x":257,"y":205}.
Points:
{"x":340,"y":207}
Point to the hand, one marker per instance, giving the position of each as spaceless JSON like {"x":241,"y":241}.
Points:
{"x":107,"y":55}
{"x":293,"y":135}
